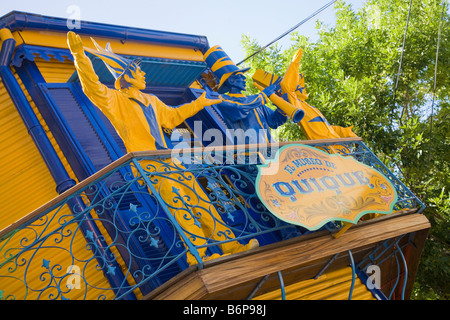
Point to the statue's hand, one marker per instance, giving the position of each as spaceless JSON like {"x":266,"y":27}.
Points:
{"x":271,"y":89}
{"x":298,"y":55}
{"x":208,"y":102}
{"x":74,"y":42}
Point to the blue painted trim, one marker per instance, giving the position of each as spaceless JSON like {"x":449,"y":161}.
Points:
{"x":398,"y":250}
{"x":283,"y":290}
{"x":405,"y":266}
{"x":29,"y":52}
{"x":35,"y":129}
{"x":17,"y":20}
{"x":352,"y":264}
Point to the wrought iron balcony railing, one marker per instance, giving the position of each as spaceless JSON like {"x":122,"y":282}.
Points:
{"x":143,"y":219}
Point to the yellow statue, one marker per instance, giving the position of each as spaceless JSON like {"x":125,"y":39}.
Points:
{"x":139,"y":119}
{"x":314,"y":124}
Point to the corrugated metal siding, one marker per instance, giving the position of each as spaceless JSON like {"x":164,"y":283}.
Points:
{"x":55,"y":71}
{"x":23,"y":173}
{"x":331,"y":286}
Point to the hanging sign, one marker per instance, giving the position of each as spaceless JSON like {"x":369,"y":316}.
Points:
{"x":309,"y":187}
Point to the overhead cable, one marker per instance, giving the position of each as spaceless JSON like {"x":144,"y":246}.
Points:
{"x":289,"y":31}
{"x":403,"y":50}
{"x":436,"y":66}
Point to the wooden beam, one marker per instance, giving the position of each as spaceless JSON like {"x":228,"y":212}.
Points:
{"x":219,"y":277}
{"x":293,"y":275}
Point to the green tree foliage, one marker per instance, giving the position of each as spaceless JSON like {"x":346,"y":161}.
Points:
{"x":352,"y":76}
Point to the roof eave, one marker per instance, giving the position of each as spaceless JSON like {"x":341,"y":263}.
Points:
{"x":17,"y":21}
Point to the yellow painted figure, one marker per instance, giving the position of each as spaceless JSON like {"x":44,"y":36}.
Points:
{"x":138,"y":119}
{"x":313,"y":123}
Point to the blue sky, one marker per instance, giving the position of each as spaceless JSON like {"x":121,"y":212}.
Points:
{"x":222,"y":22}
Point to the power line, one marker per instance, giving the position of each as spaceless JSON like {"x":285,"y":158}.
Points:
{"x":436,"y":66}
{"x":403,"y":50}
{"x":289,"y":31}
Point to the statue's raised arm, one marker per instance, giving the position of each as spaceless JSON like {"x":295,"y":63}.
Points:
{"x":313,"y":123}
{"x":98,"y":93}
